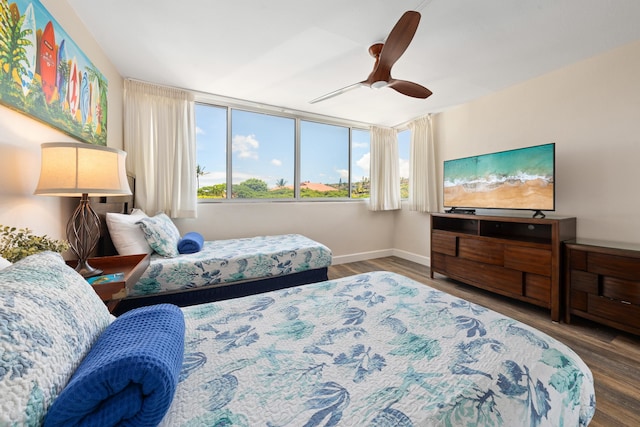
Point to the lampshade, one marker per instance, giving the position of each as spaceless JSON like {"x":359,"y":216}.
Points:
{"x":71,"y":169}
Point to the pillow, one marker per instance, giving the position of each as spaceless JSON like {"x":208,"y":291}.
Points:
{"x":191,"y":243}
{"x":127,"y":236}
{"x":49,"y":317}
{"x":130,"y":374}
{"x":4,"y":263}
{"x":161,"y":234}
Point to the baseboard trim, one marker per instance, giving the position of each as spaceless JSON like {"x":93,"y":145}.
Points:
{"x":363,"y":256}
{"x":410,"y":256}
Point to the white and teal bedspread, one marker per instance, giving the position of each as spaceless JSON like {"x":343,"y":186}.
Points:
{"x":222,"y":262}
{"x":374,"y":349}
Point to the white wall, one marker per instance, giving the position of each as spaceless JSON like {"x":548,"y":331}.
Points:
{"x":591,"y":110}
{"x":348,"y":228}
{"x":21,"y":136}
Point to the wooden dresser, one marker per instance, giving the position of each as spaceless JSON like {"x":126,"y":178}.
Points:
{"x":603,"y":283}
{"x":518,"y":257}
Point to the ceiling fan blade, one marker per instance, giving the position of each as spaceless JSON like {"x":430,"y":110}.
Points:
{"x":409,"y":88}
{"x":336,"y":92}
{"x":398,"y":40}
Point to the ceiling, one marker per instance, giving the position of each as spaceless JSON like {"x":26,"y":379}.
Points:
{"x":285,"y":53}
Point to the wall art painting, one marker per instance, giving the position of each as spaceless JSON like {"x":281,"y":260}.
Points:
{"x":45,"y":75}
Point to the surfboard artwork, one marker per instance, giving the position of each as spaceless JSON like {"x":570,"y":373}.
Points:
{"x":84,"y":97}
{"x":63,"y":74}
{"x":48,"y":61}
{"x":95,"y":105}
{"x":74,"y":88}
{"x":46,"y":76}
{"x":30,"y":49}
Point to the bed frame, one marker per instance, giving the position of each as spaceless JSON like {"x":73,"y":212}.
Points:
{"x":223,"y":292}
{"x":103,"y":205}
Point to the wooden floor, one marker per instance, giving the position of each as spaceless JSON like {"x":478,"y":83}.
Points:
{"x":613,"y":356}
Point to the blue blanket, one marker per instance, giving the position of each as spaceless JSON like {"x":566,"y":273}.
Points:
{"x":130,"y":374}
{"x":191,"y":243}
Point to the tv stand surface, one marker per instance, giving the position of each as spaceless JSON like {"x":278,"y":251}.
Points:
{"x":513,"y":256}
{"x":461,"y":211}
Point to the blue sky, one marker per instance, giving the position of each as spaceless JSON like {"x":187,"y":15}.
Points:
{"x":263,"y":148}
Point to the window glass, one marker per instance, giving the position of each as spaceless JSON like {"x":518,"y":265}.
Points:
{"x":360,"y":157}
{"x":324,"y":160}
{"x":404,"y":150}
{"x":263,"y":150}
{"x":211,"y":143}
{"x":255,"y":158}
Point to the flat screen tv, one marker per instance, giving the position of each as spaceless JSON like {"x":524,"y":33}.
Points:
{"x":523,"y":178}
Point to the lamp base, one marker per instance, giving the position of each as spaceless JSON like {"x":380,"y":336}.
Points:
{"x":85,"y":270}
{"x":83,"y":233}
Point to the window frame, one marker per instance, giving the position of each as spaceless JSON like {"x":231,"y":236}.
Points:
{"x":297,"y":116}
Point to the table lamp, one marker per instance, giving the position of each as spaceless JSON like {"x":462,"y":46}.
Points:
{"x":82,"y":170}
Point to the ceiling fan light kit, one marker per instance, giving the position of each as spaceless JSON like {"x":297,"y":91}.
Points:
{"x":386,"y":54}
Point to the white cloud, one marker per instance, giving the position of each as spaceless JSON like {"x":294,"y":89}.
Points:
{"x":246,"y":146}
{"x":360,"y":145}
{"x":364,"y":163}
{"x":276,"y":162}
{"x":213,"y":178}
{"x":344,"y":174}
{"x":404,"y":168}
{"x":199,"y":131}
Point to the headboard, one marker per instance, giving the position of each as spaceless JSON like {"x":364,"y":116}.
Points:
{"x":117,"y":204}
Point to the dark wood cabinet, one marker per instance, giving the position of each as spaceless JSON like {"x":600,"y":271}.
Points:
{"x":603,"y":283}
{"x":514,"y":256}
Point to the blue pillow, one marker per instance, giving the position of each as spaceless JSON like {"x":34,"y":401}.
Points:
{"x":130,"y":374}
{"x":191,"y":243}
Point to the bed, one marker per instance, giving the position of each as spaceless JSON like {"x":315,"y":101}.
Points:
{"x":219,"y":269}
{"x":374,"y":349}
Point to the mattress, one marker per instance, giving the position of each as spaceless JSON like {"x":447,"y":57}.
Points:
{"x":375,"y":349}
{"x":222,"y":262}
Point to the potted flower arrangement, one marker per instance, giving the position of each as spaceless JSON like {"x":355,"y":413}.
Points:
{"x":16,"y":244}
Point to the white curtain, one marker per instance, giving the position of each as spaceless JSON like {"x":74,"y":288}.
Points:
{"x":422,"y":167}
{"x":159,"y":138}
{"x":385,"y":174}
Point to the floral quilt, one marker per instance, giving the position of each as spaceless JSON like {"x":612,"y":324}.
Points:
{"x":225,"y":261}
{"x":375,"y":349}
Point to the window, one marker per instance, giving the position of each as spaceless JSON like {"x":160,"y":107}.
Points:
{"x":254,"y":155}
{"x":324,"y":160}
{"x":262,"y":160}
{"x":360,"y":155}
{"x":404,"y":154}
{"x":211,"y":143}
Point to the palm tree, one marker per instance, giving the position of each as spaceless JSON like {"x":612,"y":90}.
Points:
{"x":200,"y":172}
{"x":281,"y":182}
{"x":13,"y":41}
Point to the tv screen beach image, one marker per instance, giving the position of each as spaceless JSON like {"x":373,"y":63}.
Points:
{"x":515,"y":179}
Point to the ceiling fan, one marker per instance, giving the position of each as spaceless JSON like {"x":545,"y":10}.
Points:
{"x":386,"y":54}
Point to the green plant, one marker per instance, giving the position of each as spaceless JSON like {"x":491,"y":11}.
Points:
{"x":16,"y":244}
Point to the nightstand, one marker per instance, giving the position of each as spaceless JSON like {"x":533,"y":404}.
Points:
{"x":131,"y":265}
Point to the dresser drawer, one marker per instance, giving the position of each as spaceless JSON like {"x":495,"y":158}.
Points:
{"x":538,"y":287}
{"x":531,"y":260}
{"x":481,"y":251}
{"x":444,"y":243}
{"x":492,"y":277}
{"x":615,"y":311}
{"x":613,"y":265}
{"x":621,"y":290}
